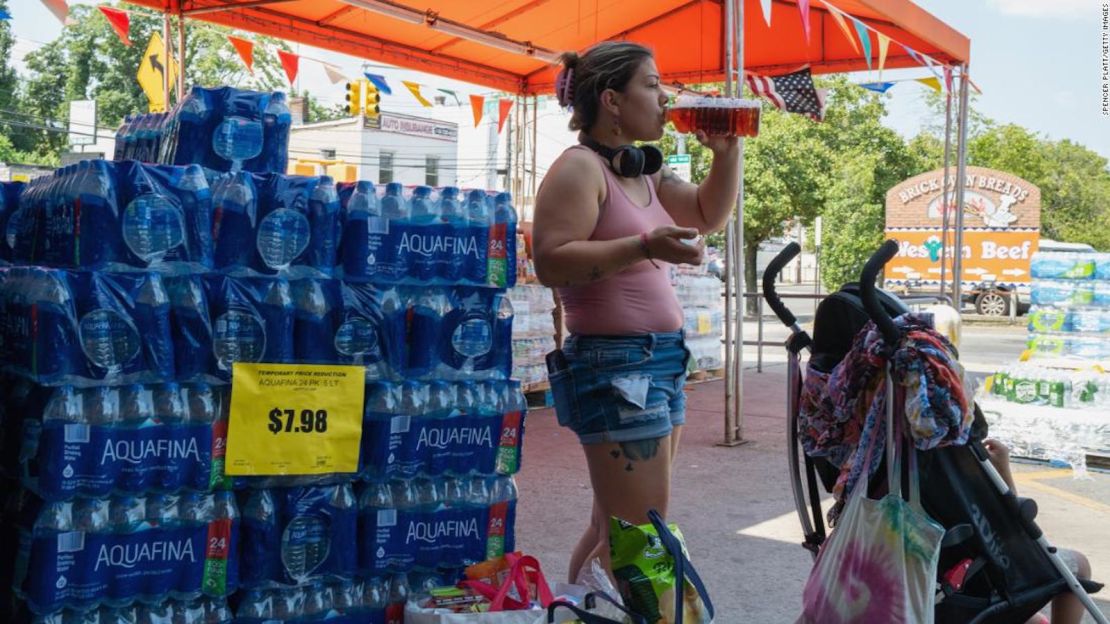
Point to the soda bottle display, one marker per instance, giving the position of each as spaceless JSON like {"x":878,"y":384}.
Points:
{"x":715,"y":116}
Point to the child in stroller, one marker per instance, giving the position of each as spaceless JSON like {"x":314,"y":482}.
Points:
{"x":995,"y":563}
{"x":1066,"y":608}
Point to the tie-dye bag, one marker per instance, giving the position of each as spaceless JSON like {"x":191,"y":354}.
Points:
{"x":880,"y":563}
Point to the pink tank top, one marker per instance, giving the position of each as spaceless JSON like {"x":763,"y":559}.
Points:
{"x":639,"y":299}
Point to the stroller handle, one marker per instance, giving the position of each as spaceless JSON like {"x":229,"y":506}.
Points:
{"x":787,"y":254}
{"x":867,"y":291}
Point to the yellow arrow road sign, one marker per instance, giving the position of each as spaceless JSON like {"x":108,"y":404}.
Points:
{"x":151,"y":71}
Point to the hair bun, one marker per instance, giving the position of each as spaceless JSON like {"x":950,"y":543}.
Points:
{"x":564,"y":81}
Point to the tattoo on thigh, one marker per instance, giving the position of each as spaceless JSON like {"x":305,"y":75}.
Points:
{"x":595,"y":274}
{"x":640,"y":450}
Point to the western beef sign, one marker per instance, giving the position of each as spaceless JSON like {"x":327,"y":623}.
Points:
{"x":1002,"y":220}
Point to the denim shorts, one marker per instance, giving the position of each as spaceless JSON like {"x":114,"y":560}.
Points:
{"x":620,"y":388}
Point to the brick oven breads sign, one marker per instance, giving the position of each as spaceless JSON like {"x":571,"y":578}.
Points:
{"x":1002,"y":221}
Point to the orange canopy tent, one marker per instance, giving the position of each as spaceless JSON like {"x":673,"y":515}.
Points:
{"x":510,"y":44}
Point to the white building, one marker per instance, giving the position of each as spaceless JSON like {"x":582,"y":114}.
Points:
{"x":393,"y":148}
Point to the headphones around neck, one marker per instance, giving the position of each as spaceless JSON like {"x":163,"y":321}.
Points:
{"x":634,"y":161}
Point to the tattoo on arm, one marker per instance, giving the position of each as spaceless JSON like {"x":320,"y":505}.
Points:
{"x":595,"y":274}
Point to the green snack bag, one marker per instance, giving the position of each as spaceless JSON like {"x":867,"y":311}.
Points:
{"x":645,"y":574}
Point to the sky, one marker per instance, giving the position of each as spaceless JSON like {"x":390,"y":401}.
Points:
{"x":1038,"y":63}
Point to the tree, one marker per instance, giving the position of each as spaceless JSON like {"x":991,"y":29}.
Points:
{"x":868,"y":159}
{"x":88,"y":61}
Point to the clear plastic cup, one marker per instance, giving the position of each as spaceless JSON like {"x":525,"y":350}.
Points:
{"x":716,"y":116}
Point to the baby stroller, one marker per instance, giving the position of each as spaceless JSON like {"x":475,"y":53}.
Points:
{"x":996,"y":566}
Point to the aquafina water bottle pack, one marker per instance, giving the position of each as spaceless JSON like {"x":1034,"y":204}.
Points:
{"x":1070,"y":316}
{"x":434,"y":428}
{"x":82,"y":327}
{"x":203,"y":610}
{"x":352,"y":601}
{"x":297,"y":534}
{"x":435,"y":523}
{"x":120,"y":216}
{"x":427,"y":236}
{"x":115,"y":440}
{"x":222,"y":129}
{"x":87,"y":553}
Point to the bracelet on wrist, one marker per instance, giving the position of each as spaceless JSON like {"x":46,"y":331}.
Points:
{"x":647,"y":251}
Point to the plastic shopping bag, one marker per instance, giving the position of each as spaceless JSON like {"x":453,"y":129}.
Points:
{"x":511,"y":603}
{"x":880,"y":563}
{"x":654,"y":573}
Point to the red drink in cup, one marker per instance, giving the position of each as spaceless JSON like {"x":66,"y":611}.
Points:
{"x":715,"y":116}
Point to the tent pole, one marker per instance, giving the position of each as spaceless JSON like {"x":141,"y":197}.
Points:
{"x":730,"y":292}
{"x":167,"y":56}
{"x":535,"y":133}
{"x":944,"y":205}
{"x":961,"y":181}
{"x":180,"y":52}
{"x":734,"y":238}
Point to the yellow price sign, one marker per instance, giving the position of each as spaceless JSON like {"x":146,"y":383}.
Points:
{"x":294,"y":419}
{"x":705,"y":323}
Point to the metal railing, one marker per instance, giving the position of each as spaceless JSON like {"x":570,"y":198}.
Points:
{"x":911,"y":301}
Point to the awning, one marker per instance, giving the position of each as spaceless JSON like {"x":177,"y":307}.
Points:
{"x":510,"y":44}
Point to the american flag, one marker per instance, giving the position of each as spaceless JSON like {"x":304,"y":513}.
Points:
{"x":793,"y":92}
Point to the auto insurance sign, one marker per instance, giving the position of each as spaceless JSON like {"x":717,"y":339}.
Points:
{"x":1002,"y":221}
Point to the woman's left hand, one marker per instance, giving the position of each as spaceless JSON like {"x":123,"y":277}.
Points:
{"x":718,"y":144}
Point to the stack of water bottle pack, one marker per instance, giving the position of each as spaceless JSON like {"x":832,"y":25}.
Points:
{"x":128,"y":290}
{"x":703,"y":317}
{"x":533,"y":331}
{"x":1070,"y":312}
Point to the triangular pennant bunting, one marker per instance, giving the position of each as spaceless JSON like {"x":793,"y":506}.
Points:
{"x":60,"y":10}
{"x":334,"y":75}
{"x":913,"y":54}
{"x":839,"y":17}
{"x":766,"y":6}
{"x":246,"y":51}
{"x":453,"y":95}
{"x":878,"y":87}
{"x":932,"y":83}
{"x":803,"y":10}
{"x":864,"y":39}
{"x":415,"y":89}
{"x":503,"y":108}
{"x":379,"y":82}
{"x":884,"y":44}
{"x":120,"y":21}
{"x":4,"y":15}
{"x":477,"y":103}
{"x":291,"y":62}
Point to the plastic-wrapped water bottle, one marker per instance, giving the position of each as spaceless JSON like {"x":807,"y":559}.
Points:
{"x":427,"y":316}
{"x":96,"y":190}
{"x":239,"y":136}
{"x":323,"y":204}
{"x":120,"y":149}
{"x":398,"y":596}
{"x":235,"y":217}
{"x":395,"y":210}
{"x":422,"y":210}
{"x":127,"y":513}
{"x":363,"y":217}
{"x":196,"y":118}
{"x":276,"y":121}
{"x":152,"y":223}
{"x":480,"y":214}
{"x":394,"y":329}
{"x":450,"y":209}
{"x":261,"y":538}
{"x":169,"y":404}
{"x":100,"y":406}
{"x":375,"y":598}
{"x":319,"y":309}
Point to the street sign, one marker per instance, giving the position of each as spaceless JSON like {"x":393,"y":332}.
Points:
{"x":680,"y":164}
{"x":82,"y":122}
{"x":151,"y":71}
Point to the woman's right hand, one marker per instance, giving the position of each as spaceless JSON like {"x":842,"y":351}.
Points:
{"x":676,"y":245}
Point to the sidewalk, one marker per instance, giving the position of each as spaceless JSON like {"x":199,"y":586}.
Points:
{"x":735,"y":506}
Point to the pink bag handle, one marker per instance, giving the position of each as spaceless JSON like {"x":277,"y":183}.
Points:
{"x":518,"y":576}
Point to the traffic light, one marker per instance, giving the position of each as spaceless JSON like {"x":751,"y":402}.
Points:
{"x":373,"y":98}
{"x":354,"y":97}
